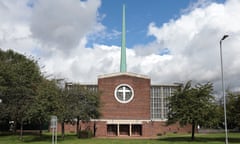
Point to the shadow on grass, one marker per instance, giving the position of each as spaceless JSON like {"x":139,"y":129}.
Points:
{"x":35,"y":138}
{"x":46,"y":138}
{"x":199,"y":139}
{"x":29,"y":137}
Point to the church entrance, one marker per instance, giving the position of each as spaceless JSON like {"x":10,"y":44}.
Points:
{"x":124,"y":129}
{"x":112,"y":130}
{"x":137,"y":130}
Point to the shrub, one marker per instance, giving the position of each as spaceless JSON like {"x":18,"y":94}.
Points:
{"x":85,"y":134}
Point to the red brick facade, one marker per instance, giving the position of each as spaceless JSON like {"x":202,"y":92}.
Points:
{"x":149,"y":129}
{"x":138,"y":108}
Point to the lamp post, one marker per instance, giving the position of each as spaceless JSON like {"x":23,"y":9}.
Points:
{"x":223,"y":91}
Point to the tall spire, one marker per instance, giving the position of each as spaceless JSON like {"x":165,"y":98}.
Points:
{"x":123,"y":64}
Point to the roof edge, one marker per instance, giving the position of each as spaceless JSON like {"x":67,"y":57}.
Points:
{"x":123,"y":73}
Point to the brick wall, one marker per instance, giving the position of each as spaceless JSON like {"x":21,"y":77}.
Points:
{"x":138,"y":108}
{"x":149,"y":129}
{"x":155,"y":128}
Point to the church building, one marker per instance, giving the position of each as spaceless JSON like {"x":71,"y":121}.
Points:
{"x":130,"y":104}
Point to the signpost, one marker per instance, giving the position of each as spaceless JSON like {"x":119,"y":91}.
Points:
{"x":54,"y":129}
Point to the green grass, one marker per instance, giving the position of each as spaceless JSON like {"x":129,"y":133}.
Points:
{"x":234,"y":138}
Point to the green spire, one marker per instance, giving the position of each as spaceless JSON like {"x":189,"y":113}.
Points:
{"x":123,"y":64}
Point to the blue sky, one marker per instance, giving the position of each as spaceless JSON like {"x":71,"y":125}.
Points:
{"x":139,"y":14}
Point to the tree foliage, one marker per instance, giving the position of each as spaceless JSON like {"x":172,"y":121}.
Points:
{"x":233,"y":110}
{"x":44,"y":103}
{"x":19,"y":80}
{"x":29,"y":97}
{"x":193,"y":105}
{"x":77,"y":103}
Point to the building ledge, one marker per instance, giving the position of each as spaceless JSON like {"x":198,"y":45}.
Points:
{"x":123,"y":74}
{"x":129,"y":121}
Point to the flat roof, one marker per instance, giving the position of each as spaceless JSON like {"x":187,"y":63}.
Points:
{"x":123,"y":73}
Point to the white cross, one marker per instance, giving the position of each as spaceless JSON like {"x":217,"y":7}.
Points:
{"x":124,"y":91}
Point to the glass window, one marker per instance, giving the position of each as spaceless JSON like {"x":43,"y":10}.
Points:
{"x":159,"y":101}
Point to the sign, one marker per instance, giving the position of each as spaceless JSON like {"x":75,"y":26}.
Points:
{"x":53,"y":122}
{"x":54,"y":129}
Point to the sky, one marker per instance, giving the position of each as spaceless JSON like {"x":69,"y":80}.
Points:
{"x":170,"y":41}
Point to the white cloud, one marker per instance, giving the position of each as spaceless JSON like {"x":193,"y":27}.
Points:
{"x":57,"y":31}
{"x":193,"y":40}
{"x":62,"y":24}
{"x":14,"y":26}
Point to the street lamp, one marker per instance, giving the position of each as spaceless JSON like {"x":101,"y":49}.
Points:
{"x":223,"y":91}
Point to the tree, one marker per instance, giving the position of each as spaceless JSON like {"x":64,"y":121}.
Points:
{"x":233,"y":110}
{"x":193,"y":105}
{"x":44,"y":103}
{"x":87,"y":104}
{"x":65,"y":107}
{"x":77,"y":103}
{"x":27,"y":96}
{"x":19,"y":79}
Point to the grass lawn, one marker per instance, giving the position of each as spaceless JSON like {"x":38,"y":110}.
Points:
{"x":234,"y":138}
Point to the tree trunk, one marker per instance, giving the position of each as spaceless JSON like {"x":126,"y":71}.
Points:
{"x":63,"y":130}
{"x":40,"y":128}
{"x":193,"y":130}
{"x":94,"y":129}
{"x":77,"y":127}
{"x":21,"y":130}
{"x":14,"y":126}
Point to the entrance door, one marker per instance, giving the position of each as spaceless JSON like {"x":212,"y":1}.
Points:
{"x":112,"y":130}
{"x":124,"y":130}
{"x":137,"y":130}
